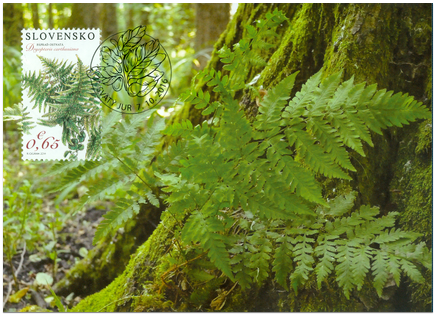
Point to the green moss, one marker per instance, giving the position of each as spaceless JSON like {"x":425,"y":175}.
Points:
{"x":422,"y":34}
{"x":109,"y":257}
{"x":271,"y":297}
{"x":149,"y":303}
{"x":105,"y":300}
{"x":302,"y":47}
{"x":358,"y":44}
{"x":101,"y":265}
{"x":139,"y":272}
{"x":412,"y":195}
{"x":421,"y":294}
{"x":412,"y":184}
{"x":429,"y":85}
{"x":425,"y":137}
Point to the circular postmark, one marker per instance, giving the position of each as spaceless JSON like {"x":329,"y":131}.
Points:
{"x":132,"y":73}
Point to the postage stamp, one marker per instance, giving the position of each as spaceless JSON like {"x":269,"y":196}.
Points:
{"x":130,"y":71}
{"x":58,"y":96}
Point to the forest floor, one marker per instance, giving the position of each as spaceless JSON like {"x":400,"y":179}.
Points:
{"x":73,"y":242}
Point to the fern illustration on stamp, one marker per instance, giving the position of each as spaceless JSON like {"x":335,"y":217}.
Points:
{"x":59,"y":101}
{"x":132,"y":72}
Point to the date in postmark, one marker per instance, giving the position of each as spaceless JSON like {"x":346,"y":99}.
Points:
{"x":130,"y":71}
{"x":58,"y":95}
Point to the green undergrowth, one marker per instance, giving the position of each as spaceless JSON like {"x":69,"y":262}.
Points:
{"x":33,"y":220}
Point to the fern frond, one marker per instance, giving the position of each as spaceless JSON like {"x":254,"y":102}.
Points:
{"x":19,"y":113}
{"x":303,"y":181}
{"x":344,"y":274}
{"x":259,"y":260}
{"x":246,"y":192}
{"x":38,"y":90}
{"x":361,"y":264}
{"x":324,"y":117}
{"x":304,"y":97}
{"x":313,"y":154}
{"x":346,"y":130}
{"x":393,"y":235}
{"x":282,"y":264}
{"x":380,"y":271}
{"x":339,"y":206}
{"x":57,"y":70}
{"x":179,"y":129}
{"x":76,"y":172}
{"x":411,"y":271}
{"x":102,"y":189}
{"x":302,"y":252}
{"x":123,"y":211}
{"x":393,"y":267}
{"x":206,"y":232}
{"x":255,"y":60}
{"x":326,"y":250}
{"x":331,"y":141}
{"x":273,"y":103}
{"x":238,"y":262}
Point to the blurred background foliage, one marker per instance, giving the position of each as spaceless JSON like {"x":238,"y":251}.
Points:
{"x":34,"y":219}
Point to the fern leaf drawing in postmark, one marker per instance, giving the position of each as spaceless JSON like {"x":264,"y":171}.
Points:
{"x":135,"y":71}
{"x":142,"y":68}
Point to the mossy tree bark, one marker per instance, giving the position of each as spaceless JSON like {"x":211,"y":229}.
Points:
{"x":387,"y":44}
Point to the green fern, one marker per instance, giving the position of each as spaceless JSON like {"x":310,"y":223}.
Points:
{"x":246,"y":194}
{"x":19,"y":113}
{"x":123,"y":211}
{"x":125,"y":156}
{"x":267,"y":169}
{"x":206,"y":231}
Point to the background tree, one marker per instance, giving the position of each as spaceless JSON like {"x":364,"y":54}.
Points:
{"x":83,"y":15}
{"x":35,"y":15}
{"x":109,"y":25}
{"x":211,"y":19}
{"x":387,"y":44}
{"x":13,"y":22}
{"x":50,"y":15}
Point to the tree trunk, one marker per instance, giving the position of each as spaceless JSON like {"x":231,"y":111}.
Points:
{"x":83,"y":15}
{"x":35,"y":15}
{"x":387,"y":44}
{"x":50,"y":15}
{"x":13,"y":23}
{"x":109,"y":19}
{"x":109,"y":257}
{"x":211,"y":20}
